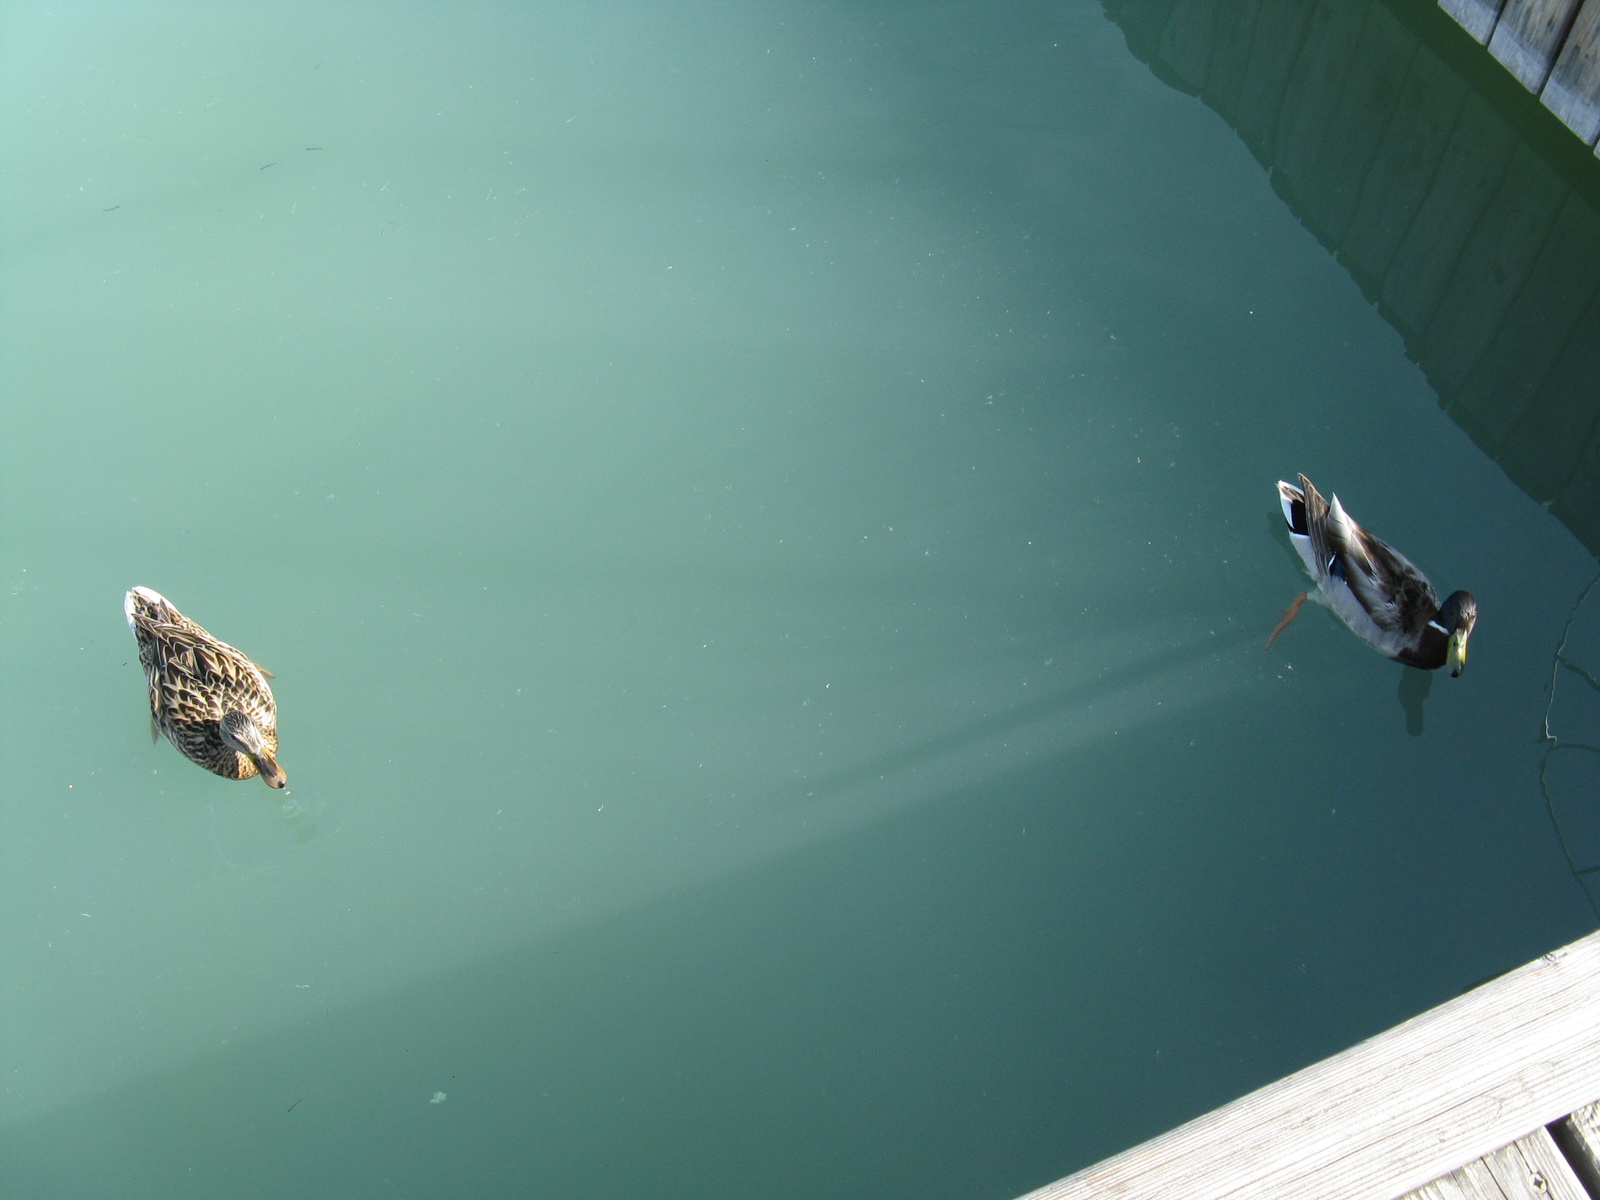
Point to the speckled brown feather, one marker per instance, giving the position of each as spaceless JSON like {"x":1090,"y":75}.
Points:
{"x":194,"y":679}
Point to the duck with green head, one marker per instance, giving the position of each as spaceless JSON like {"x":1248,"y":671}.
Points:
{"x":1373,"y":588}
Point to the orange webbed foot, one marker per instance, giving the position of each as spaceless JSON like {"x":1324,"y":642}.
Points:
{"x":1289,"y":614}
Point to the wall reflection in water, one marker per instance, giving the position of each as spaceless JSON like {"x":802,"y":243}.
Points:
{"x":1461,"y":207}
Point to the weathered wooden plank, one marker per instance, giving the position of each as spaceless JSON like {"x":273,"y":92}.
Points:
{"x":1477,"y":17}
{"x":1466,"y":1183}
{"x":1443,"y":1189}
{"x":1360,"y":119}
{"x":1580,"y":1139}
{"x":1279,"y":34}
{"x":1313,"y":92}
{"x":1403,"y":169}
{"x":1470,"y":172}
{"x":1532,"y":1168}
{"x":1573,"y":90}
{"x":1471,"y":1182}
{"x":1492,"y":265}
{"x":1528,"y":37}
{"x":1393,"y":1113}
{"x":1479,"y":1181}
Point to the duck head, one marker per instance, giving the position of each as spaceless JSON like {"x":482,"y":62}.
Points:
{"x":239,"y":732}
{"x":1458,"y":614}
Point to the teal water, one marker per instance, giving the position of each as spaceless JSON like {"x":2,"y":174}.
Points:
{"x":763,"y":524}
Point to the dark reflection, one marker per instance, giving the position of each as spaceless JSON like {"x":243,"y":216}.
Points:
{"x":1280,"y":534}
{"x":1464,"y":210}
{"x":1569,"y":772}
{"x":1414,"y":688}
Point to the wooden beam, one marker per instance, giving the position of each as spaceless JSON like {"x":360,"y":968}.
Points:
{"x":1529,"y":35}
{"x":1573,"y":89}
{"x":1531,"y":1168}
{"x":1477,"y":17}
{"x":1394,"y":1113}
{"x":1580,"y":1138}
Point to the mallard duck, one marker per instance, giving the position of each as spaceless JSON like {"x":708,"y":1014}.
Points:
{"x":1374,"y":589}
{"x":211,"y":701}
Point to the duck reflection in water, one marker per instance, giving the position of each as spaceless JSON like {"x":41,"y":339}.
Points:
{"x":1414,"y":688}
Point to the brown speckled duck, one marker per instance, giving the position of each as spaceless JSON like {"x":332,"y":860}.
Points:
{"x":210,"y":701}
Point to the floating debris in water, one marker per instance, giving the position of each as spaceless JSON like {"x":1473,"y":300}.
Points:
{"x":438,"y":1098}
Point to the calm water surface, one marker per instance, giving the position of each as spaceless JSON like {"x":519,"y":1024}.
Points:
{"x":762,"y":520}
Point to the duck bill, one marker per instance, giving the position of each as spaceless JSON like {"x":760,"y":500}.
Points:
{"x":271,"y":773}
{"x":1455,"y":656}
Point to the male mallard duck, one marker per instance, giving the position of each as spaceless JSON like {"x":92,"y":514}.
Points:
{"x":1375,"y":589}
{"x":212,"y":702}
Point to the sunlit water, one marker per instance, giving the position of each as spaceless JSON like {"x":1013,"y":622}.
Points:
{"x":763,"y":523}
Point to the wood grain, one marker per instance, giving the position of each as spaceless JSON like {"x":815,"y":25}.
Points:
{"x":1529,"y":35}
{"x":1477,"y":17}
{"x":1531,"y":1168}
{"x":1580,"y":1138}
{"x":1573,"y":90}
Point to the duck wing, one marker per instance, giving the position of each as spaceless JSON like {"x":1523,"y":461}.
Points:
{"x":195,"y":677}
{"x":182,"y":676}
{"x":1389,"y":587}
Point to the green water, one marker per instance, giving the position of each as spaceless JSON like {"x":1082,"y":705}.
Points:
{"x":762,"y":520}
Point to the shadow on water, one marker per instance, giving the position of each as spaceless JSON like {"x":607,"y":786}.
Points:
{"x":1414,"y":688}
{"x":770,"y":1002}
{"x":822,"y":1005}
{"x":1461,"y":207}
{"x":1084,"y":696}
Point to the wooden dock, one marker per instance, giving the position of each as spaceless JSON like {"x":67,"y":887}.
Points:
{"x":1552,"y":46}
{"x":1489,"y":1095}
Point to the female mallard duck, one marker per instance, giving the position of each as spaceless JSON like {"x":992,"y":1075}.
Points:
{"x":212,"y":702}
{"x":1375,"y":589}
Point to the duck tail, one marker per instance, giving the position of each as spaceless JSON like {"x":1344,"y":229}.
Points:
{"x":143,"y":605}
{"x":1294,"y":508}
